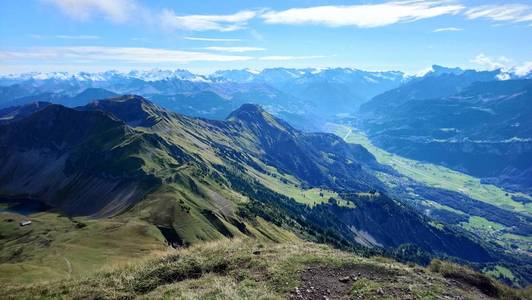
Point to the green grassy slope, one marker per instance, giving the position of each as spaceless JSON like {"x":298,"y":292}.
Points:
{"x":55,"y":247}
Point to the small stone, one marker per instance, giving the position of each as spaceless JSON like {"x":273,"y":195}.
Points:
{"x":344,"y":279}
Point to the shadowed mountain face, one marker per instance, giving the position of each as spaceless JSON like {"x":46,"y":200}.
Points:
{"x":75,"y":161}
{"x":484,"y":130}
{"x":209,"y":178}
{"x":133,"y":110}
{"x":318,"y":158}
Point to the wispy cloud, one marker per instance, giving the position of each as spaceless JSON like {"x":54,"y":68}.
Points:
{"x":123,"y":54}
{"x":288,"y":57}
{"x":445,"y":29}
{"x":140,"y":39}
{"x":206,"y":22}
{"x":64,"y":37}
{"x":115,"y":10}
{"x":77,"y":37}
{"x":502,"y":13}
{"x":365,"y":15}
{"x":204,"y":39}
{"x":234,"y":49}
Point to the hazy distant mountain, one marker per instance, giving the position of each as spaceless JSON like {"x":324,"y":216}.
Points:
{"x":440,"y":82}
{"x":305,"y":96}
{"x":331,"y":91}
{"x":84,"y":97}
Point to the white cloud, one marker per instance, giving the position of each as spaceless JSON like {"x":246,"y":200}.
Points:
{"x":502,"y":13}
{"x":77,"y":37}
{"x":140,"y":39}
{"x":490,"y":63}
{"x":206,"y":22}
{"x":114,"y":10}
{"x":365,"y":15}
{"x":204,"y":39}
{"x":287,"y":57}
{"x":524,"y":70}
{"x":447,"y":29}
{"x":505,"y":64}
{"x":234,"y":49}
{"x":64,"y":37}
{"x":122,"y":54}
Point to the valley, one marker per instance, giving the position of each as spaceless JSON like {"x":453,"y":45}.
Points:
{"x":444,"y":178}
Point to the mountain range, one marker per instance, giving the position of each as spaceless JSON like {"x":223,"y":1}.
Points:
{"x":116,"y":155}
{"x":237,"y":154}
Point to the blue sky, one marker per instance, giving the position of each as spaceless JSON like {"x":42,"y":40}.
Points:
{"x":203,"y":36}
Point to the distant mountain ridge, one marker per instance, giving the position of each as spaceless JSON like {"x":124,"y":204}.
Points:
{"x":304,"y":97}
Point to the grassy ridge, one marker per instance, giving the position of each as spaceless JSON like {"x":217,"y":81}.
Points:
{"x":250,"y":269}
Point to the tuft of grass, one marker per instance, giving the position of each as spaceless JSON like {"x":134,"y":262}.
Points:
{"x":480,"y":281}
{"x":364,"y":288}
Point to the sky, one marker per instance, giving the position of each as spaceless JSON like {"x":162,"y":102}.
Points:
{"x":204,"y":35}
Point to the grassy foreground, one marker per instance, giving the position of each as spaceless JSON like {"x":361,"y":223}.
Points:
{"x":250,"y":269}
